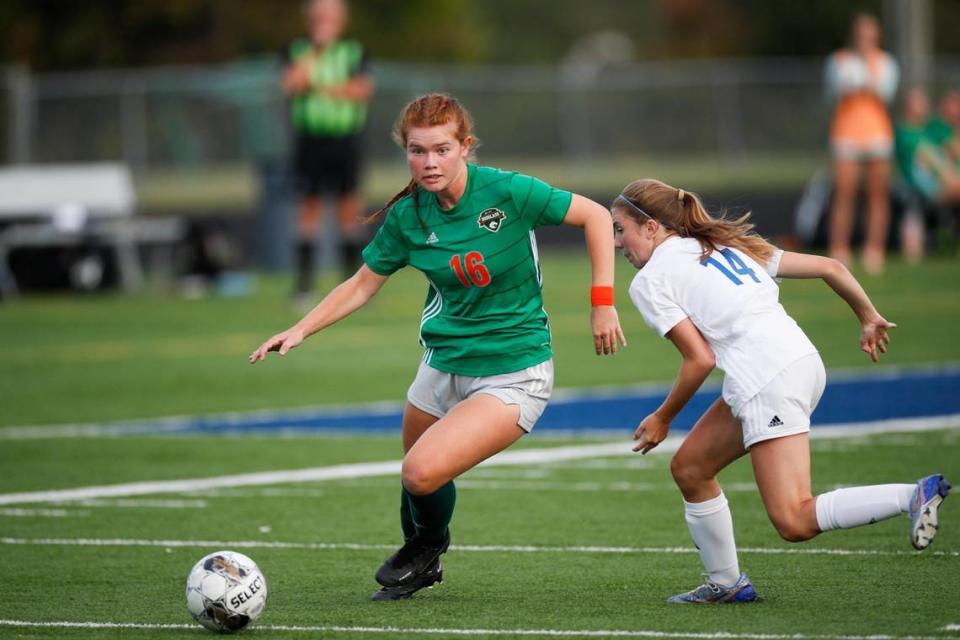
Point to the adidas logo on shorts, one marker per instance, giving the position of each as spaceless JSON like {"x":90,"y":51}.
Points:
{"x":776,"y":422}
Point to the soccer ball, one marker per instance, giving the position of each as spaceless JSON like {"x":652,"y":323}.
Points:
{"x":226,"y":591}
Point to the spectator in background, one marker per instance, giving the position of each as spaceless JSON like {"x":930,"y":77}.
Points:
{"x":327,"y":79}
{"x":910,"y":131}
{"x":940,"y":128}
{"x":950,"y":115}
{"x":861,"y":80}
{"x":936,"y":170}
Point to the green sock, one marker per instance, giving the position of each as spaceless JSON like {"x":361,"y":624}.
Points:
{"x":432,"y":513}
{"x":407,"y":524}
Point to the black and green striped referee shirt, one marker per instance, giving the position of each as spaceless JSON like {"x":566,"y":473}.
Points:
{"x":315,"y":113}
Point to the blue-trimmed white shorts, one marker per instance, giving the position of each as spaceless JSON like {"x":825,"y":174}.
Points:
{"x":436,"y":392}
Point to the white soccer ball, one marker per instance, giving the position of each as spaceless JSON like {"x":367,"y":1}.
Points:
{"x":226,"y":591}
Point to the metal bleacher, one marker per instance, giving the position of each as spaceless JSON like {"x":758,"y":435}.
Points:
{"x":73,"y":206}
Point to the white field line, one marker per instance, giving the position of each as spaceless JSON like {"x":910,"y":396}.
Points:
{"x":42,"y":513}
{"x":492,"y":548}
{"x":337,"y":472}
{"x":371,"y":469}
{"x":480,"y":485}
{"x":562,"y":633}
{"x":951,"y":627}
{"x":138,"y":504}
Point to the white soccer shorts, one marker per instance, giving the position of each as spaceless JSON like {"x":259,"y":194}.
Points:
{"x":783,"y":407}
{"x":437,"y":392}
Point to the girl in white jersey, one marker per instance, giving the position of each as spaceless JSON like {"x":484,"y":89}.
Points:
{"x":709,"y":286}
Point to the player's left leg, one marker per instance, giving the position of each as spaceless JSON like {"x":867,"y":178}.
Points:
{"x":782,"y":469}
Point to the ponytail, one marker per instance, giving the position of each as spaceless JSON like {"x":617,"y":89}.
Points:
{"x":684,"y":213}
{"x":410,"y":189}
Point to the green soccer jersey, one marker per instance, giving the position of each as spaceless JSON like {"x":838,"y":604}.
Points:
{"x":483,"y":313}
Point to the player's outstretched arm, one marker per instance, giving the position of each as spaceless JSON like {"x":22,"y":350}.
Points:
{"x":874,"y":336}
{"x":698,"y":362}
{"x":349,"y":296}
{"x":598,"y":229}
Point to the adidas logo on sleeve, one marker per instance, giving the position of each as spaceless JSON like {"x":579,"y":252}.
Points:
{"x":776,"y":422}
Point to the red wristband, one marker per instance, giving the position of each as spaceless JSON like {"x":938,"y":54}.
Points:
{"x":601,"y":296}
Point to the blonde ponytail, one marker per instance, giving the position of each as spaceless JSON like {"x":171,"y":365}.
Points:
{"x":684,"y":213}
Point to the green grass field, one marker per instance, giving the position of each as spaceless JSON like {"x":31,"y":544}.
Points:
{"x":73,"y":359}
{"x":591,"y":545}
{"x":521,"y":523}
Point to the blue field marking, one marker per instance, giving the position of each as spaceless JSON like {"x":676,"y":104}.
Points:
{"x":884,"y":394}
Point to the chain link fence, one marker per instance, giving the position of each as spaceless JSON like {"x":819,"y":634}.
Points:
{"x":233,"y":113}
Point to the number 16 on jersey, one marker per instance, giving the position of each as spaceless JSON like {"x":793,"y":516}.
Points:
{"x":471,"y":270}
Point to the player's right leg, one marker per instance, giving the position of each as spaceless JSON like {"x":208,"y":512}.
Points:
{"x":472,"y":431}
{"x":715,"y":442}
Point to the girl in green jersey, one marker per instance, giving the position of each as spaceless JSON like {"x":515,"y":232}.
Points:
{"x":487,"y":370}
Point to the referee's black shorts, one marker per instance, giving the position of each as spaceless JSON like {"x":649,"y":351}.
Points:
{"x":327,"y":165}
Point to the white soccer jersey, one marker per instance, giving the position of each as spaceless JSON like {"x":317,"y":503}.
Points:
{"x":733,"y":301}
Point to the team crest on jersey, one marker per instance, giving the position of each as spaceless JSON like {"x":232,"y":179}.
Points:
{"x":491,"y":219}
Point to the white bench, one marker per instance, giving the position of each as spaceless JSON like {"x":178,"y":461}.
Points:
{"x":72,"y":206}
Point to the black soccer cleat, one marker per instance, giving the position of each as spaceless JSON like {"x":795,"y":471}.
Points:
{"x":415,"y":558}
{"x":433,"y":575}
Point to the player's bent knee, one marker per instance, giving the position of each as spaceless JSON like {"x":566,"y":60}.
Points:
{"x":687,"y":476}
{"x":793,"y":529}
{"x":419,"y":479}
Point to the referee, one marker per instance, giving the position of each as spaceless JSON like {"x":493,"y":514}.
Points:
{"x":326,"y":77}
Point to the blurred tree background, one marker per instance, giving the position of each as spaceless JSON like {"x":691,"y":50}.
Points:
{"x":48,"y":35}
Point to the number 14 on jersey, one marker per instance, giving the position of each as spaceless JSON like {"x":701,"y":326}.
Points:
{"x":736,"y":264}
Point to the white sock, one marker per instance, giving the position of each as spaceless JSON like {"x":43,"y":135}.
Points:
{"x":711,"y":528}
{"x":856,"y":506}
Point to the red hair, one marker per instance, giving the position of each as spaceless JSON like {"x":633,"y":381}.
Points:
{"x":430,"y":110}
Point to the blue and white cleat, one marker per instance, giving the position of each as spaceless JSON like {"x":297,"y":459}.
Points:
{"x":924,"y":508}
{"x":712,"y":593}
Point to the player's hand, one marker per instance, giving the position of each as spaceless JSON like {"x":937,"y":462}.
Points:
{"x":281,"y":343}
{"x":650,"y":433}
{"x":874,"y":337}
{"x":606,"y":329}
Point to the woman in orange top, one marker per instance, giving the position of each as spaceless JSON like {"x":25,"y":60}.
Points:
{"x":861,"y":80}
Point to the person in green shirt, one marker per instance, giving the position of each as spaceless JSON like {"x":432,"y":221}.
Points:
{"x":935,"y":168}
{"x":487,"y":369}
{"x":941,"y":127}
{"x":327,"y":78}
{"x":910,"y":130}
